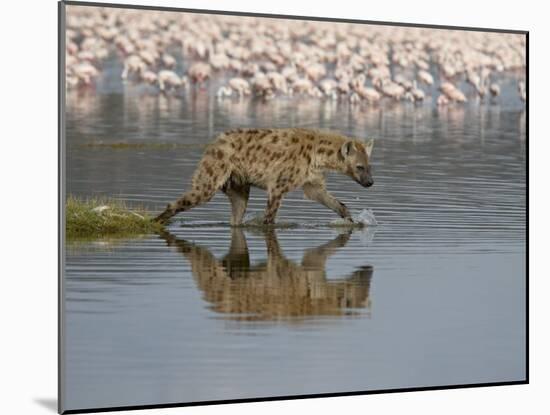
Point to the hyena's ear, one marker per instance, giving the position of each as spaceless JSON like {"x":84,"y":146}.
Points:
{"x":347,"y":148}
{"x":368,"y":147}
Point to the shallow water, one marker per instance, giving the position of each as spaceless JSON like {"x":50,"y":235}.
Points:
{"x":433,"y":295}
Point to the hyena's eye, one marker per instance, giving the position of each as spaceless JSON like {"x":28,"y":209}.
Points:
{"x":360,"y":168}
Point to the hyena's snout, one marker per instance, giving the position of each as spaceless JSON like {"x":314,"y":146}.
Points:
{"x":365,"y":177}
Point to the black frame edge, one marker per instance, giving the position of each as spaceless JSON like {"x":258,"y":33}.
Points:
{"x":292,"y":397}
{"x":527,"y":207}
{"x":60,"y":203}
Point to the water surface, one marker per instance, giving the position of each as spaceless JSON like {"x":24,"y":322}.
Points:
{"x":434,"y":295}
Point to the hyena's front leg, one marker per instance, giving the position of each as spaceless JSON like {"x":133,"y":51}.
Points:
{"x":318,"y":193}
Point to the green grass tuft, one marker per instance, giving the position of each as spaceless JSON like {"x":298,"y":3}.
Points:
{"x":103,"y":217}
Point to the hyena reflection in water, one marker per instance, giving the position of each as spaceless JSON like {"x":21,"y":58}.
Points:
{"x":278,"y":288}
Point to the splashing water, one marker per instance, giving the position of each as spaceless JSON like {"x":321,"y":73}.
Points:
{"x":257,"y":219}
{"x":363,"y":218}
{"x":366,"y":216}
{"x":360,"y":219}
{"x":253,"y":218}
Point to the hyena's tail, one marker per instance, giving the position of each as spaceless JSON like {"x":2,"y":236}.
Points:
{"x":211,"y":174}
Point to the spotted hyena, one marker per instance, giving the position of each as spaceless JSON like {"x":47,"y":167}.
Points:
{"x":278,"y":161}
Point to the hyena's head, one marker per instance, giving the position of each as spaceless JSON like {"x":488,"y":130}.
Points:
{"x":357,"y":161}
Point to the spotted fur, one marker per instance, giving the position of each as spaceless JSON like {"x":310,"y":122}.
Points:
{"x":278,"y":161}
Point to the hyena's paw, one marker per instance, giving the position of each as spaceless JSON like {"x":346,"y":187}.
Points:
{"x":268,"y":222}
{"x":343,"y":223}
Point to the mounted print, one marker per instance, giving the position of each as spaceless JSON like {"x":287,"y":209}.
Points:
{"x":258,"y":207}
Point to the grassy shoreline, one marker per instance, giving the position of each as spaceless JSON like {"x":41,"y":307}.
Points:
{"x":96,"y":218}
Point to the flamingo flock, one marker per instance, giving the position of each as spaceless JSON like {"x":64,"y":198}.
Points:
{"x":248,"y":56}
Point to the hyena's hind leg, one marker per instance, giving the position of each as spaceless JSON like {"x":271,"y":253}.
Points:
{"x":238,"y":194}
{"x":207,"y":180}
